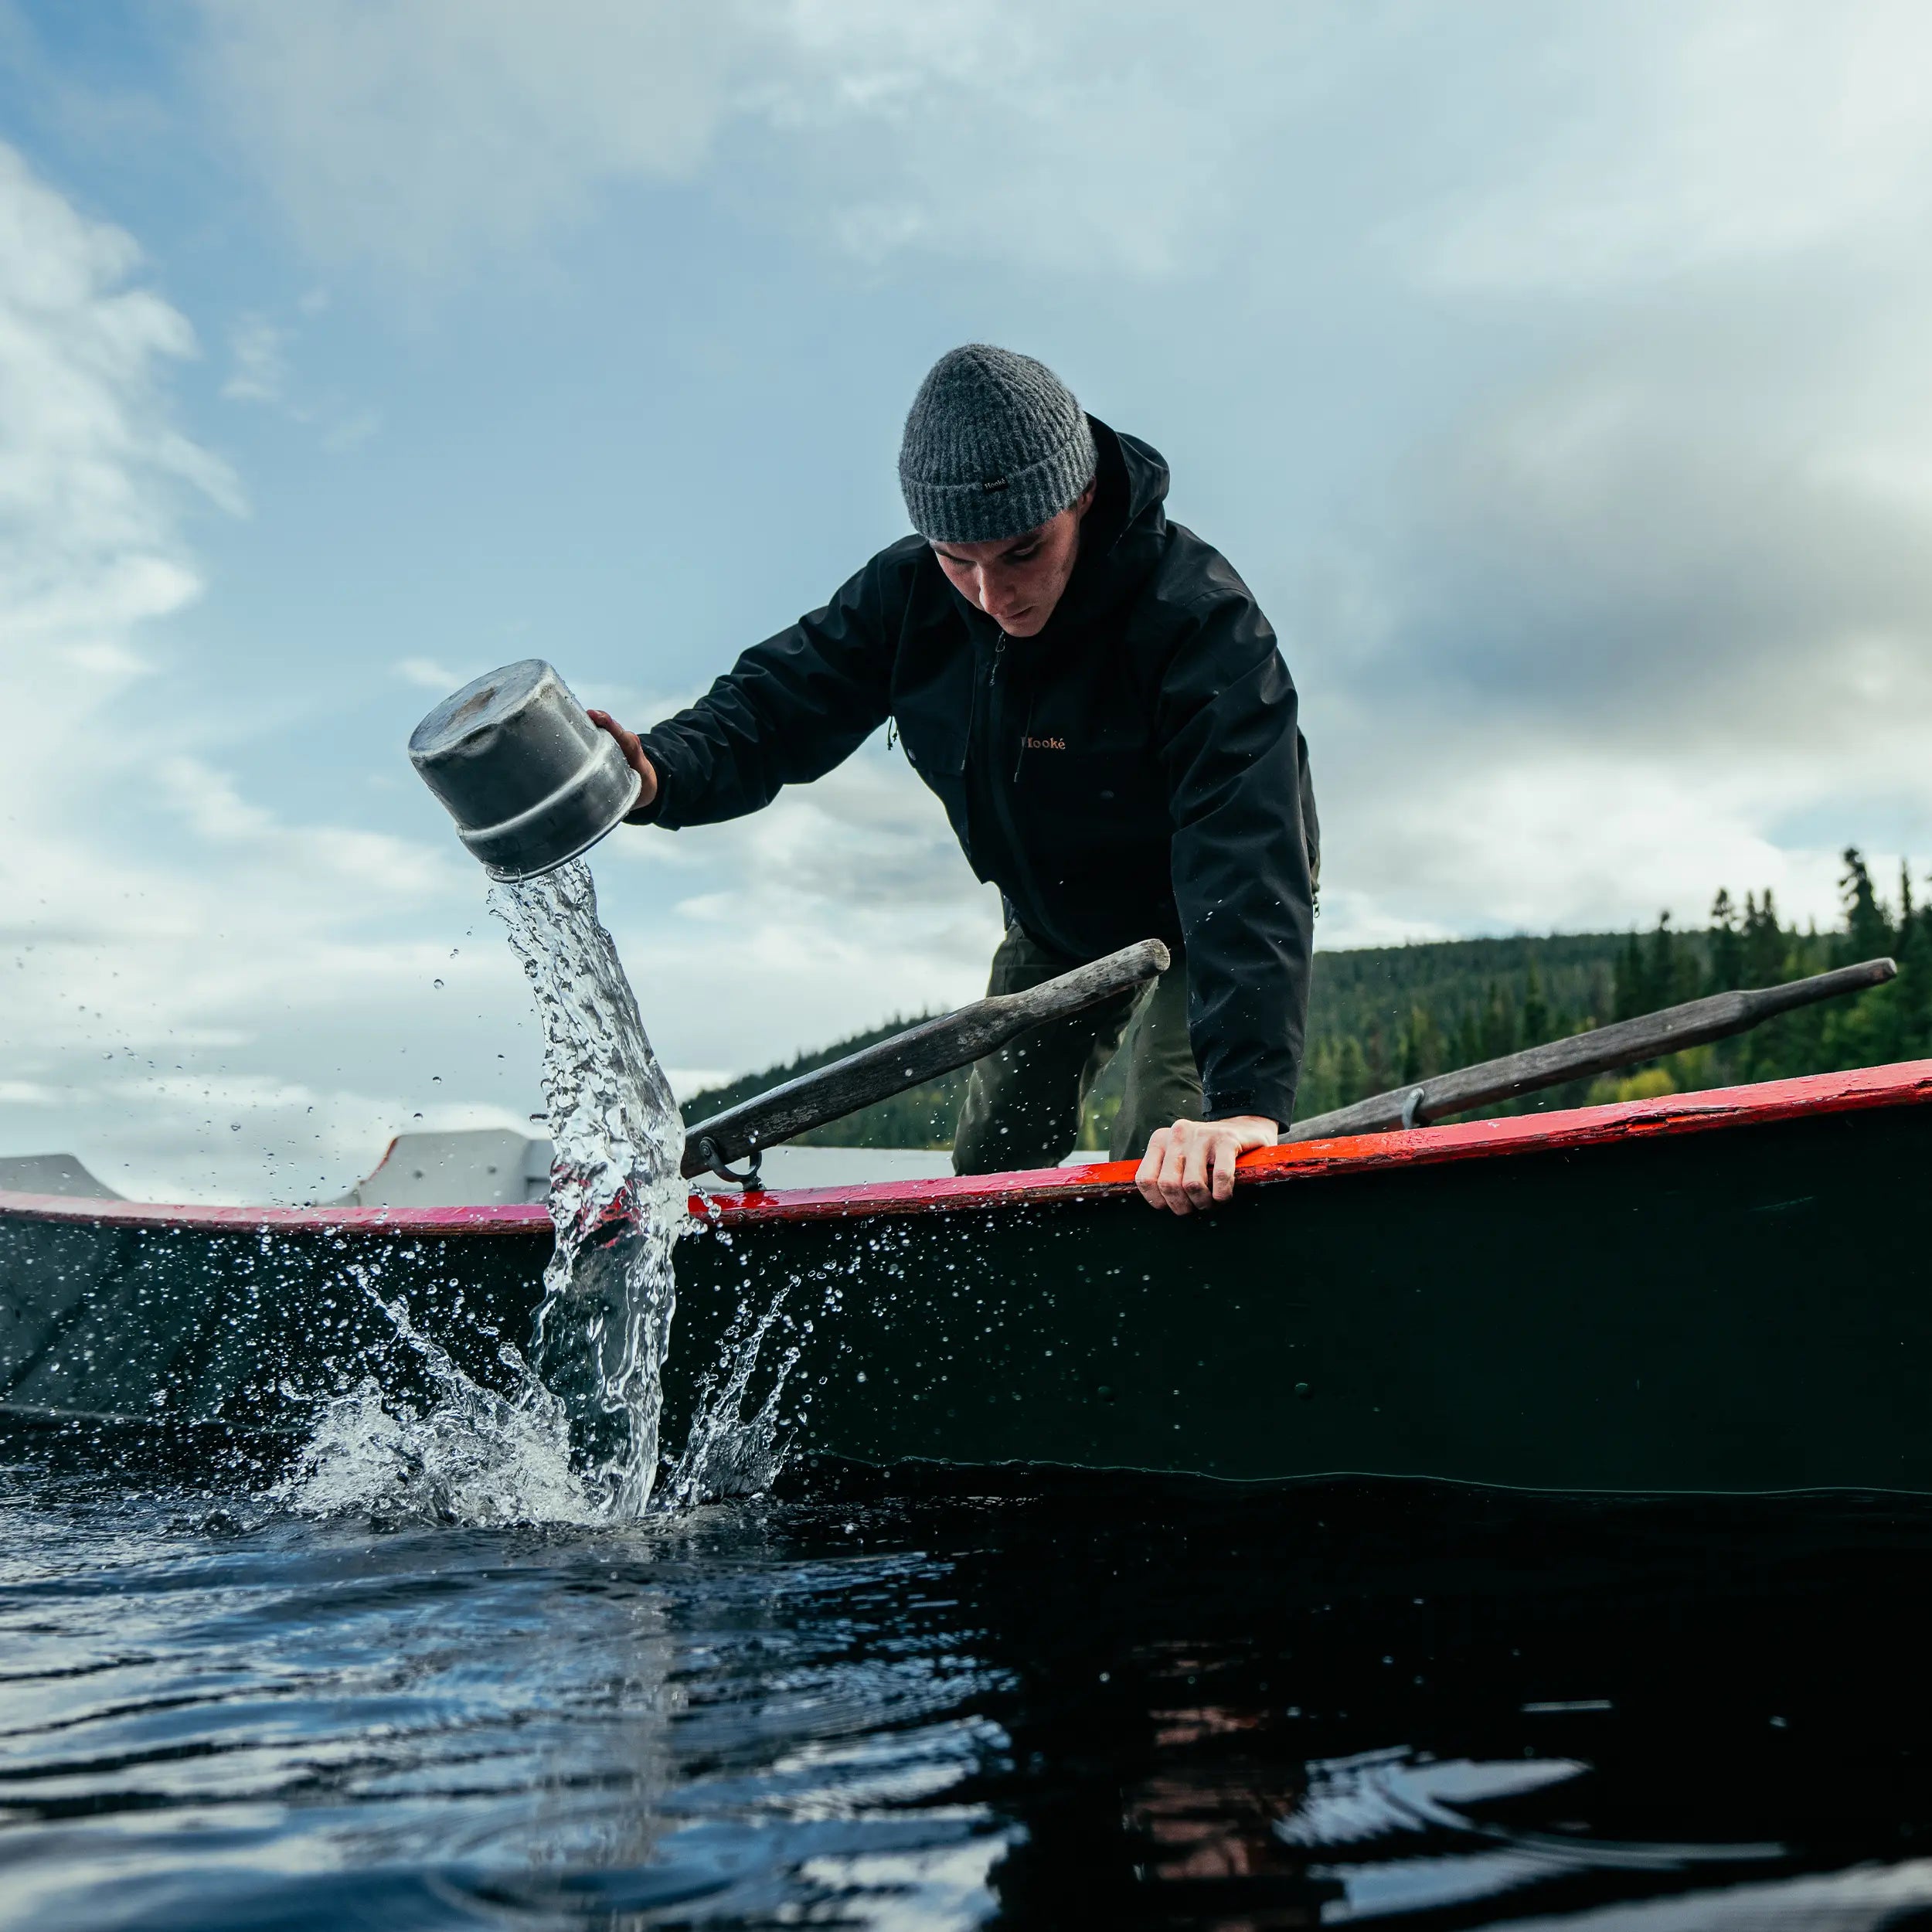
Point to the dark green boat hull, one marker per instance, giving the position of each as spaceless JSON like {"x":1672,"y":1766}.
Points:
{"x":1743,"y":1308}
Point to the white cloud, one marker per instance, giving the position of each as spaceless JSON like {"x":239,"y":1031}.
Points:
{"x":429,"y":137}
{"x":91,"y":457}
{"x":1655,"y":616}
{"x":159,"y":929}
{"x":259,"y":373}
{"x":350,"y":429}
{"x":1567,"y":837}
{"x":843,"y":903}
{"x":426,"y":674}
{"x":1705,"y":137}
{"x":425,"y":134}
{"x":1561,"y":150}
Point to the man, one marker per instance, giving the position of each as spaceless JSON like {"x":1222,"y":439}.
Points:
{"x":1100,"y":705}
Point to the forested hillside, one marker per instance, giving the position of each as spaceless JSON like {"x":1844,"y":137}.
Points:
{"x":1383,"y":1016}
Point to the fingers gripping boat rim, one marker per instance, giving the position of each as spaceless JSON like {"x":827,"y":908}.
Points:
{"x":515,"y":761}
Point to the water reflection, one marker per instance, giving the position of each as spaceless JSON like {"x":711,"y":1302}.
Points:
{"x":1064,"y":1705}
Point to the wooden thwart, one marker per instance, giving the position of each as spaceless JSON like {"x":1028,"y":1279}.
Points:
{"x":922,"y":1053}
{"x":1622,"y":1044}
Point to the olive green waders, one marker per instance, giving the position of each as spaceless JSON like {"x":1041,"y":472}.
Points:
{"x":1022,"y":1107}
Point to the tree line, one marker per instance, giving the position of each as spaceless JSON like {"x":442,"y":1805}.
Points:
{"x":1360,"y":1043}
{"x":1385,"y":1016}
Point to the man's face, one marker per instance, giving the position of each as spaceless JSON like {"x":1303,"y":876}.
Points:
{"x":1019,"y":579}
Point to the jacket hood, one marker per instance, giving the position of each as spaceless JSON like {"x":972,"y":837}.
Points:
{"x":1120,"y":541}
{"x":1138,"y":473}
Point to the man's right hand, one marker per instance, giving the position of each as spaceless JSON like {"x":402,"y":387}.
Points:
{"x":632,"y":747}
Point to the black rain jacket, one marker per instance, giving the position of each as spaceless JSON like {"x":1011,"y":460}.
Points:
{"x":1135,"y":771}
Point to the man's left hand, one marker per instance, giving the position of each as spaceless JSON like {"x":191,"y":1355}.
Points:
{"x":1191,"y":1165}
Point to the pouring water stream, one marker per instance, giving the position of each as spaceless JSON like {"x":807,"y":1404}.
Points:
{"x":616,"y":1195}
{"x":577,"y":1440}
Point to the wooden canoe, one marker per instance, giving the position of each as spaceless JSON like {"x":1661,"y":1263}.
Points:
{"x":1717,"y":1291}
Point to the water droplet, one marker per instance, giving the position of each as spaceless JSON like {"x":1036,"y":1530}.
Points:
{"x":437,"y":984}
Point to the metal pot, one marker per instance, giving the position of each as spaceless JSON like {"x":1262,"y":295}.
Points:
{"x":529,"y":780}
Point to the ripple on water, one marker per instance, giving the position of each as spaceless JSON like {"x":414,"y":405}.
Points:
{"x":1171,"y":1705}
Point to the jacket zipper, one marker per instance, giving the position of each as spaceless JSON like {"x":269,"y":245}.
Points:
{"x":999,"y":790}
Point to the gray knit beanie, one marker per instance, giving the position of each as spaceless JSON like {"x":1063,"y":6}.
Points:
{"x":995,"y":445}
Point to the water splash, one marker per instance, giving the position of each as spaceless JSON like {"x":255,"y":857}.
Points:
{"x":727,"y":1452}
{"x":576,"y":1438}
{"x":467,"y":1455}
{"x":616,"y":1195}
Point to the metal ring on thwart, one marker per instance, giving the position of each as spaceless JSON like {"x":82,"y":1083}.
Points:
{"x":1412,"y":1107}
{"x":715,"y":1163}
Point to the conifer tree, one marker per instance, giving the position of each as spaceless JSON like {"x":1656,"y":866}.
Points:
{"x":1498,"y":1024}
{"x":1912,"y":996}
{"x":1727,"y":945}
{"x":1316,"y":1094}
{"x":1421,"y":1046}
{"x":1765,"y":945}
{"x":1351,"y":1073}
{"x":1469,"y":1036}
{"x":1535,"y":1008}
{"x":1382,"y":1075}
{"x":1627,"y":996}
{"x":1661,"y":968}
{"x":1868,"y":932}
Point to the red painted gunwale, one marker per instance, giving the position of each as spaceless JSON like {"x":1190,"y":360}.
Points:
{"x":1908,"y":1084}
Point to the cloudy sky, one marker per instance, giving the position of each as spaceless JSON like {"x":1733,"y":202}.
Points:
{"x":1557,"y":374}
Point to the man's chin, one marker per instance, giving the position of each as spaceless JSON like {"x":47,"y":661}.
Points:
{"x":1029,"y":624}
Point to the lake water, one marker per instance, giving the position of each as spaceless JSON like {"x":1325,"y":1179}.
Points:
{"x":1068,"y":1703}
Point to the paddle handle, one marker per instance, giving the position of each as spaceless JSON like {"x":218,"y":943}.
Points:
{"x":1623,"y":1044}
{"x":910,"y":1059}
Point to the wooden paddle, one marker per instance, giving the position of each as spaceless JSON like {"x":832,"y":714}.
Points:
{"x":921,"y":1053}
{"x":1622,"y":1044}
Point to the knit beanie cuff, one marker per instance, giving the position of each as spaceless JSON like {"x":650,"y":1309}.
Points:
{"x":995,"y":445}
{"x":995,"y":508}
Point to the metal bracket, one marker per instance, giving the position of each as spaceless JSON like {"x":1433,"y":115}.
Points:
{"x":1412,"y":1107}
{"x":715,"y":1163}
